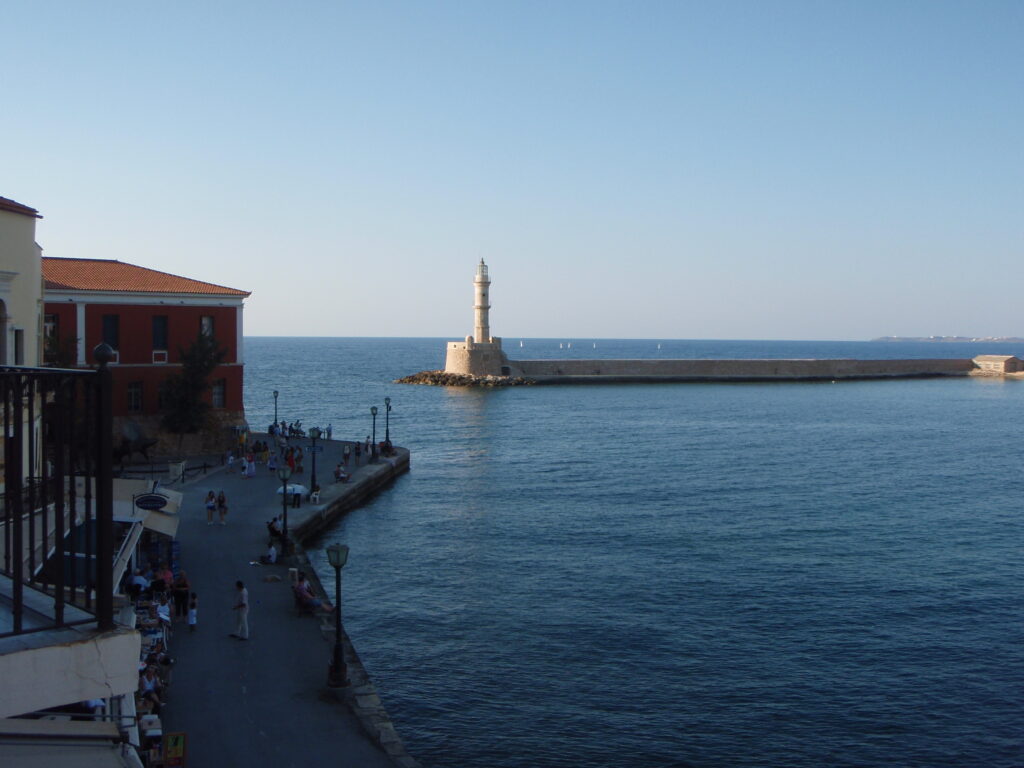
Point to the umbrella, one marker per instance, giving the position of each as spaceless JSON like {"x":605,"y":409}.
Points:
{"x":293,"y":489}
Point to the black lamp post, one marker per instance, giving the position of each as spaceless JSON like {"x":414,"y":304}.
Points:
{"x":337,"y":673}
{"x":314,"y":435}
{"x":284,"y":473}
{"x":387,"y":422}
{"x":373,"y":446}
{"x":276,"y":393}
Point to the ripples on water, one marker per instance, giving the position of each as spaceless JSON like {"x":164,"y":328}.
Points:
{"x":681,"y":575}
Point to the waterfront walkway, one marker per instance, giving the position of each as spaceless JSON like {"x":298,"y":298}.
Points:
{"x":263,"y":701}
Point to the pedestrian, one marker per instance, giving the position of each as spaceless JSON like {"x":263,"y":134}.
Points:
{"x":242,"y":606}
{"x":250,"y":464}
{"x":330,"y":429}
{"x":180,"y":591}
{"x":345,"y":452}
{"x":272,"y":462}
{"x":366,"y":448}
{"x":230,"y":462}
{"x":211,"y":504}
{"x":222,"y":507}
{"x":193,"y":613}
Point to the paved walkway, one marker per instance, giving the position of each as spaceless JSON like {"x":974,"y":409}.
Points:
{"x":263,"y":701}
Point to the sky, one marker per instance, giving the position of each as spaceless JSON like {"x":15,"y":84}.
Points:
{"x":641,"y":169}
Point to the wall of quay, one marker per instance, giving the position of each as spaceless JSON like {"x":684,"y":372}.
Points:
{"x":551,"y":371}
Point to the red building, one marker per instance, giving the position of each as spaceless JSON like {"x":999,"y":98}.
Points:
{"x":146,"y":316}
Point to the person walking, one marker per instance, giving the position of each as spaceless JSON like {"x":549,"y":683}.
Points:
{"x":211,"y":504}
{"x":180,"y":590}
{"x":222,"y":507}
{"x":242,"y":606}
{"x":193,"y":613}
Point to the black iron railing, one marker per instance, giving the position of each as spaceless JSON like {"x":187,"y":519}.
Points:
{"x":57,"y":536}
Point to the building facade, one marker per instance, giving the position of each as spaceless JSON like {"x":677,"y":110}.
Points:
{"x":147,"y":317}
{"x":21,"y":287}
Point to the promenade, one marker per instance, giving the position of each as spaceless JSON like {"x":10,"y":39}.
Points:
{"x":265,"y":701}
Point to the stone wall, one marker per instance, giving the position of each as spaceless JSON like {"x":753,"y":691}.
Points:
{"x":471,"y":358}
{"x":738,"y":370}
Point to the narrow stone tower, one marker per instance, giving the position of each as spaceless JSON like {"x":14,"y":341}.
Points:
{"x":481,"y":309}
{"x":480,"y":354}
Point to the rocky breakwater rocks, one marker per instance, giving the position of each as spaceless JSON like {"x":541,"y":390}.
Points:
{"x":442,"y":379}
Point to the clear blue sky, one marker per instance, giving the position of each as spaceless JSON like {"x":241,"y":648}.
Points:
{"x":791,"y":170}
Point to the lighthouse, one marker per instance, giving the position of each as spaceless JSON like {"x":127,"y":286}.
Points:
{"x":480,"y":354}
{"x":481,"y":309}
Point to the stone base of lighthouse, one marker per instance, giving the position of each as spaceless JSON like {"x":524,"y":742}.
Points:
{"x":475,"y":358}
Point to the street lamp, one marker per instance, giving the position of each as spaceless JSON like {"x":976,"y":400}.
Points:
{"x":387,"y":422}
{"x":314,"y":435}
{"x":276,"y":393}
{"x":283,"y":473}
{"x":337,"y":673}
{"x":373,"y":448}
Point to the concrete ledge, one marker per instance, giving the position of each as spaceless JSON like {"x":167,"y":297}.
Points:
{"x":360,"y":696}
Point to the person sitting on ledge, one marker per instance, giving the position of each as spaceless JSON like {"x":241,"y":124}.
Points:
{"x":340,"y":475}
{"x":271,"y":557}
{"x":275,"y":528}
{"x":304,"y":594}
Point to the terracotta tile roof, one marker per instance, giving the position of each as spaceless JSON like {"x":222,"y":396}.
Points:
{"x":115,"y":276}
{"x":13,"y":206}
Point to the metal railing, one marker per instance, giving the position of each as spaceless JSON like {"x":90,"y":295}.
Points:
{"x":56,"y":519}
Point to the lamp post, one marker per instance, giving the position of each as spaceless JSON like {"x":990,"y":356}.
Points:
{"x":337,"y":673}
{"x":284,"y":473}
{"x":387,"y":422}
{"x":276,"y":393}
{"x":373,"y":446}
{"x":314,"y":435}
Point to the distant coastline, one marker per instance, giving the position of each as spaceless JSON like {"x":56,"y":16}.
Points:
{"x":955,"y":339}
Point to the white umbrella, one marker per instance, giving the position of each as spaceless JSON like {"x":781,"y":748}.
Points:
{"x":293,"y":489}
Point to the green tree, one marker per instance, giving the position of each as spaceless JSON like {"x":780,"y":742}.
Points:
{"x":58,"y":353}
{"x":185,"y":409}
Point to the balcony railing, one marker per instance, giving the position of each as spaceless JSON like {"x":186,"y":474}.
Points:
{"x":56,"y":558}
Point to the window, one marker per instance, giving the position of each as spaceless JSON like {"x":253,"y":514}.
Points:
{"x":159,"y":332}
{"x":161,"y":395}
{"x":135,"y":397}
{"x":51,"y":326}
{"x":206,"y":325}
{"x":19,"y":345}
{"x":112,"y":331}
{"x":220,"y":387}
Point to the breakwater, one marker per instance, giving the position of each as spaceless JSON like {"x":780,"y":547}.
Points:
{"x":609,"y":371}
{"x":574,"y":371}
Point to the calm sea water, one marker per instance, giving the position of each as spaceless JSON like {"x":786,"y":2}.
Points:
{"x":790,"y":574}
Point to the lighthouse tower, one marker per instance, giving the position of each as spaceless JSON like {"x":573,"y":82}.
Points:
{"x":481,"y":309}
{"x":480,"y":354}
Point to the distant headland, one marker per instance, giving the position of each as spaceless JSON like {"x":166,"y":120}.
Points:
{"x":479,"y":361}
{"x":955,"y":339}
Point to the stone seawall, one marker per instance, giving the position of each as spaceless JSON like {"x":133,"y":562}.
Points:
{"x":573,"y":371}
{"x":317,"y":520}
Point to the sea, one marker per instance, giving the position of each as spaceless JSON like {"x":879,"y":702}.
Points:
{"x":703,"y":574}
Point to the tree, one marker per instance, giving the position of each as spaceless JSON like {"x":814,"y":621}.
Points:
{"x":58,"y":353}
{"x":185,"y":410}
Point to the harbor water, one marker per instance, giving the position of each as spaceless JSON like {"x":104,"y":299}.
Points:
{"x":770,"y":574}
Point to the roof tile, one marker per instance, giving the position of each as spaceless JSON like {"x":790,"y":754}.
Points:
{"x":109,"y":276}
